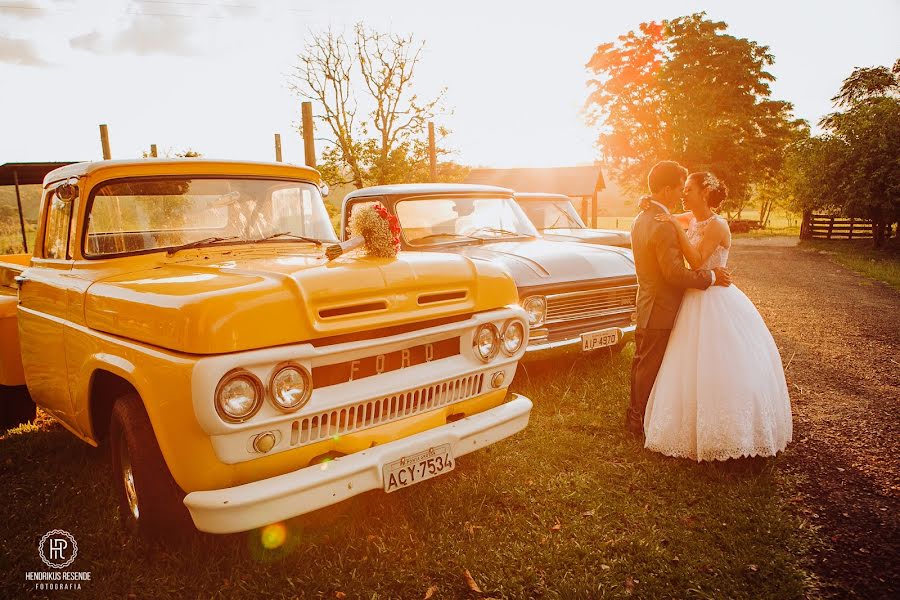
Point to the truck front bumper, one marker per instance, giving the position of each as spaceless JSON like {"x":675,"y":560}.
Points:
{"x":259,"y":503}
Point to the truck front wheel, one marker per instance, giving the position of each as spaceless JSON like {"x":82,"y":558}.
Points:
{"x":150,"y":502}
{"x":16,"y":406}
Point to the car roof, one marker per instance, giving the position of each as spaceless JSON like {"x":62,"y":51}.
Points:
{"x":421,"y":189}
{"x":205,"y":166}
{"x":540,"y":196}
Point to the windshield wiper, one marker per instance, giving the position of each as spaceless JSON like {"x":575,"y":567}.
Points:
{"x":501,"y":231}
{"x":291,"y":235}
{"x":198,"y":243}
{"x":452,"y":235}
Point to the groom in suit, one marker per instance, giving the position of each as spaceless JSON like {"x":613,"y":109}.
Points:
{"x":662,"y":279}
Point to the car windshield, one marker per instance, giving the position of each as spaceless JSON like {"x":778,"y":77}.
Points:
{"x":429,"y":221}
{"x":552,"y":214}
{"x":149,"y":214}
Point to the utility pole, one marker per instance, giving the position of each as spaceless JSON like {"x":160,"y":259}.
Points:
{"x":432,"y":152}
{"x":104,"y":141}
{"x":277,"y":147}
{"x":21,"y":216}
{"x":153,"y":152}
{"x":309,"y":145}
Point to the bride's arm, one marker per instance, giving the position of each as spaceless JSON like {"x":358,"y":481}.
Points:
{"x":683,"y":219}
{"x":716,"y":233}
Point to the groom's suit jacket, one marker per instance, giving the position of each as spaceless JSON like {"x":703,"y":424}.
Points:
{"x":662,"y":275}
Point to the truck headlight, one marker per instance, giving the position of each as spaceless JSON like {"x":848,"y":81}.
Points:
{"x":486,"y":342}
{"x":536,"y":307}
{"x":238,"y":396}
{"x":290,"y":387}
{"x":513,"y":337}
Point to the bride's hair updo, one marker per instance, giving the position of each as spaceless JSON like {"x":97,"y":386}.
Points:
{"x":718,"y":191}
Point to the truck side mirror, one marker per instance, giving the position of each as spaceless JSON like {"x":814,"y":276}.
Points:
{"x":67,"y":191}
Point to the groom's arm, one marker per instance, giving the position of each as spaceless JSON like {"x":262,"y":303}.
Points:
{"x":671,"y":261}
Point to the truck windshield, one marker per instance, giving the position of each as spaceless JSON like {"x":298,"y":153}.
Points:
{"x":430,"y":221}
{"x":552,"y":214}
{"x":141,"y":215}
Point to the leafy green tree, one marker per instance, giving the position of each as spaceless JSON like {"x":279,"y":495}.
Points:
{"x":853,"y":167}
{"x":686,"y":90}
{"x":375,"y":70}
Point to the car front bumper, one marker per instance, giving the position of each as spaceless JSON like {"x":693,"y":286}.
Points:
{"x":259,"y":503}
{"x":541,"y":350}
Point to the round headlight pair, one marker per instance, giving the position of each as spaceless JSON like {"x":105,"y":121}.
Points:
{"x":536,"y":307}
{"x":488,"y":340}
{"x":240,"y":393}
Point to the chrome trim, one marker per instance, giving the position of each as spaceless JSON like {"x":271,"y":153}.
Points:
{"x":571,"y":307}
{"x":387,"y":409}
{"x":542,"y":350}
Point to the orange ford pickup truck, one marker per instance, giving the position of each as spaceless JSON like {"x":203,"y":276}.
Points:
{"x":183,"y":312}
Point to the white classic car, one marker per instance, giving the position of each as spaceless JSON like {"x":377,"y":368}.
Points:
{"x":556,"y":218}
{"x":576,"y":295}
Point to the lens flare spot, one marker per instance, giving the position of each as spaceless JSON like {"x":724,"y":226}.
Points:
{"x":273,"y":536}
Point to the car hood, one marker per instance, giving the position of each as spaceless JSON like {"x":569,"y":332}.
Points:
{"x":542,"y":262}
{"x":217,"y":303}
{"x":611,"y":237}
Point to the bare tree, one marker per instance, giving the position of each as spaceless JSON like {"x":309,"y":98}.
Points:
{"x":378,"y":149}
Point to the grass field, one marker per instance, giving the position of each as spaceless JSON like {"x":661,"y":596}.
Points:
{"x":570,"y":508}
{"x":780,"y":223}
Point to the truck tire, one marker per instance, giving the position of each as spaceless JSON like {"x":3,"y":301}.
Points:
{"x":150,"y":502}
{"x":16,"y":407}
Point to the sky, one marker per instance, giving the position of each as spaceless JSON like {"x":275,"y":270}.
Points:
{"x":213,"y":75}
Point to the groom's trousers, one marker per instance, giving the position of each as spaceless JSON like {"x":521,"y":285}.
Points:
{"x":650,"y":347}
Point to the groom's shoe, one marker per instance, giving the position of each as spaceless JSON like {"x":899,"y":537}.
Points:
{"x":634,"y":427}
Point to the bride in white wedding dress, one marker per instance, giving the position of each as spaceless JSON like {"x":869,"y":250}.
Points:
{"x":721,"y":391}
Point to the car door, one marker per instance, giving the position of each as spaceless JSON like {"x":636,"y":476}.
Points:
{"x":42,"y":311}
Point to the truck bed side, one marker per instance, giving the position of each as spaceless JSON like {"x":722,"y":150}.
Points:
{"x":10,"y":355}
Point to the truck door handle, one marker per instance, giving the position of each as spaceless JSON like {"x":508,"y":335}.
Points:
{"x":20,"y":279}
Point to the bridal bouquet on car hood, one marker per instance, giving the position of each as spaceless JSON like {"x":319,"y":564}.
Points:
{"x":373,"y":227}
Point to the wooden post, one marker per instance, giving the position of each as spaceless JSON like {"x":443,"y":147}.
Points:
{"x":153,"y":151}
{"x":309,"y":145}
{"x":432,"y":152}
{"x":594,"y":207}
{"x":104,"y":141}
{"x":830,"y":226}
{"x":851,"y":228}
{"x":21,"y":216}
{"x":277,"y":147}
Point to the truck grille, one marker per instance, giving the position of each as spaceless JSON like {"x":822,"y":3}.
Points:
{"x":590,"y":304}
{"x":327,"y":424}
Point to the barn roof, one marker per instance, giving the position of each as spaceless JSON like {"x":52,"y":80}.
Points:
{"x":570,"y":181}
{"x":29,"y":173}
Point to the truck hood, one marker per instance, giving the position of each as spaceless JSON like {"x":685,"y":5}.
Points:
{"x":217,"y":304}
{"x":542,"y":262}
{"x":612,"y":237}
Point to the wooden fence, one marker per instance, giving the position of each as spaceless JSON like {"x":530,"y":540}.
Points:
{"x":833,"y":227}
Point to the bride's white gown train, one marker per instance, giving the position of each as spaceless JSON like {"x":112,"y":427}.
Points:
{"x":721,"y":391}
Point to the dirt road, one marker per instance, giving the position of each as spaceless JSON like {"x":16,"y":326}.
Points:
{"x":839,"y":336}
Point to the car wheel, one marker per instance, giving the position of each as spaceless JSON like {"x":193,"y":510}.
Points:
{"x":150,"y":502}
{"x":16,"y":406}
